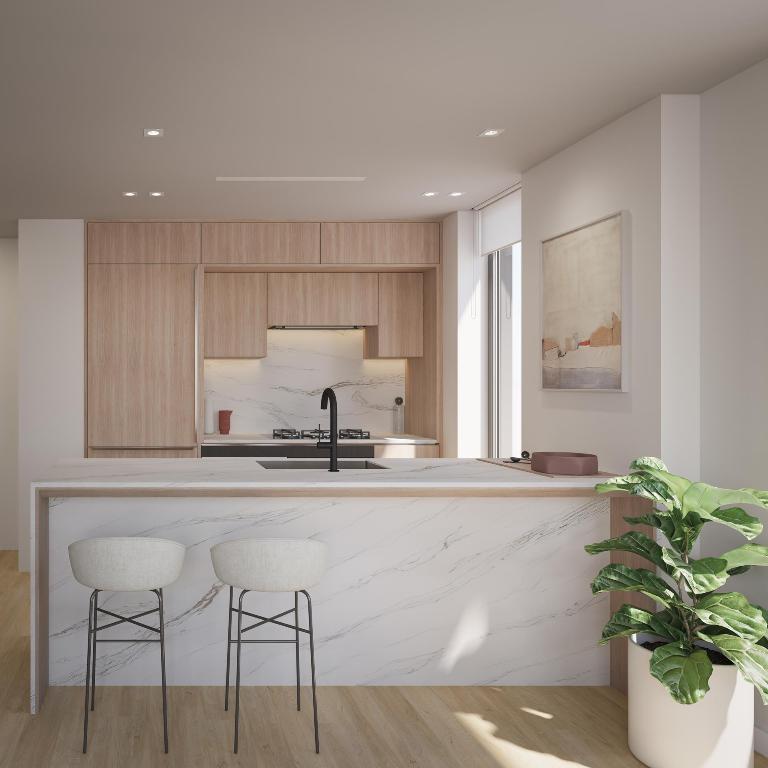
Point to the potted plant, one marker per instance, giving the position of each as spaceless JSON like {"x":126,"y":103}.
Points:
{"x":691,"y":664}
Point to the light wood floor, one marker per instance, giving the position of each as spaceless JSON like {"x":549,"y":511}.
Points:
{"x":361,"y":727}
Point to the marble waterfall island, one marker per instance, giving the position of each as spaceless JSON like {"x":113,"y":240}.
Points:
{"x":442,"y":571}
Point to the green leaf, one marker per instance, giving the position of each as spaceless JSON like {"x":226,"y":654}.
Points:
{"x":632,"y":541}
{"x":734,"y":612}
{"x":684,"y":673}
{"x":705,"y":499}
{"x":620,"y":578}
{"x":736,"y":518}
{"x":638,"y":484}
{"x":752,"y":660}
{"x":650,"y":462}
{"x":628,"y":619}
{"x":746,"y":555}
{"x":701,"y":576}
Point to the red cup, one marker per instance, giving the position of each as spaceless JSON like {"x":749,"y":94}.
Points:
{"x":225,"y":418}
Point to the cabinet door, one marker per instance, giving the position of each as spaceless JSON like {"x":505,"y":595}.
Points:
{"x":406,"y":451}
{"x":139,"y":242}
{"x":261,"y":243}
{"x":142,"y":453}
{"x":141,"y":356}
{"x":400,"y":332}
{"x":235,"y":314}
{"x":323,"y":298}
{"x":380,"y":243}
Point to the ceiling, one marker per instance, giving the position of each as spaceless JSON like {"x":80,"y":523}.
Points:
{"x":394,"y":90}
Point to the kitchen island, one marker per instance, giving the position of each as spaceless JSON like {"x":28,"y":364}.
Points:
{"x":442,"y":571}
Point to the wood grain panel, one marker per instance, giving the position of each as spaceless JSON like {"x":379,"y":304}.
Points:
{"x":141,"y":356}
{"x":261,"y":243}
{"x":423,"y":375}
{"x":235,"y":308}
{"x":621,"y":507}
{"x":136,"y":242}
{"x":142,"y":453}
{"x":400,"y":332}
{"x":406,"y":451}
{"x":380,"y":243}
{"x":316,"y":298}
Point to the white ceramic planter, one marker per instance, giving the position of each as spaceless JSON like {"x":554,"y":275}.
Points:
{"x":716,"y":732}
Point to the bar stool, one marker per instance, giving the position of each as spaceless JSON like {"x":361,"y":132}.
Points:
{"x":124,"y":564}
{"x":270,"y":565}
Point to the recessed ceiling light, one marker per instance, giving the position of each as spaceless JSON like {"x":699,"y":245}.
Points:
{"x":157,"y":194}
{"x":153,"y":133}
{"x":490,"y":132}
{"x":129,"y":194}
{"x":455,"y":194}
{"x":428,"y":194}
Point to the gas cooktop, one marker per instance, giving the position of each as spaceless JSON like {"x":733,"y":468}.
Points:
{"x":319,"y":434}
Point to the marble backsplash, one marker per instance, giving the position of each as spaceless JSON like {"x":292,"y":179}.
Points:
{"x":283,"y":389}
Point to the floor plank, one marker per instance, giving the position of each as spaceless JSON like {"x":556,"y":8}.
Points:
{"x":360,"y":727}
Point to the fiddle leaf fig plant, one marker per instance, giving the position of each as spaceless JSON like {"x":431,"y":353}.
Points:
{"x":695,"y":612}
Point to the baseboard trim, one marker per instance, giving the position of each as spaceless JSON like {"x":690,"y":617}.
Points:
{"x":761,"y":742}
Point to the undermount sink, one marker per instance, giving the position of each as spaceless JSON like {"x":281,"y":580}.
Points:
{"x":320,"y":464}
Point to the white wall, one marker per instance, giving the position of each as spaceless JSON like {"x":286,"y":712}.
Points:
{"x":617,"y":168}
{"x":51,"y":353}
{"x":734,"y":281}
{"x":465,"y":338}
{"x":680,"y":250}
{"x":9,"y":279}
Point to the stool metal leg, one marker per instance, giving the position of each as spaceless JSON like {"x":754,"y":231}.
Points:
{"x":91,"y":612}
{"x":93,"y":660}
{"x":298,"y":668}
{"x":159,"y":594}
{"x":237,"y":673}
{"x":229,"y":645}
{"x":312,"y":661}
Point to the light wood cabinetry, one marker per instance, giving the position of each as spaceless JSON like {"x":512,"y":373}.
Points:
{"x":235,"y":315}
{"x":142,"y":453}
{"x":138,"y":242}
{"x":400,"y":330}
{"x":380,"y":243}
{"x":423,"y":379}
{"x":261,"y":243}
{"x":406,"y":451}
{"x":323,"y":298}
{"x":141,"y":356}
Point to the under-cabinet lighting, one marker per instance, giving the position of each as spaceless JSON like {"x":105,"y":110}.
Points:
{"x":489,"y":133}
{"x":157,"y":194}
{"x":455,"y":194}
{"x":129,"y":194}
{"x":153,"y":133}
{"x":315,"y":327}
{"x":428,"y":194}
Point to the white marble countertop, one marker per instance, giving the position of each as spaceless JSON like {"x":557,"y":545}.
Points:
{"x":264,"y":439}
{"x":232,"y":476}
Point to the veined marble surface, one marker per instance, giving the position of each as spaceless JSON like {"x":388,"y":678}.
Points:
{"x":248,"y":474}
{"x":264,"y":439}
{"x":418,"y":591}
{"x":283,"y":389}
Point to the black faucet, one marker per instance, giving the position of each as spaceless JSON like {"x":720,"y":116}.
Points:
{"x":333,"y":443}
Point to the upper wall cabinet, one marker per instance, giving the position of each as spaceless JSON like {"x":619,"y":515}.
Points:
{"x":381,"y":243}
{"x":138,"y":242}
{"x":261,"y":243}
{"x":235,"y":315}
{"x":400,"y":331}
{"x":323,"y":298}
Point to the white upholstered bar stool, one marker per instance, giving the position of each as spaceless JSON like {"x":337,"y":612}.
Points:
{"x":270,"y":565}
{"x":124,"y":564}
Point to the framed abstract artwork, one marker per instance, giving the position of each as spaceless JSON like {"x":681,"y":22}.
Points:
{"x":584,"y":299}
